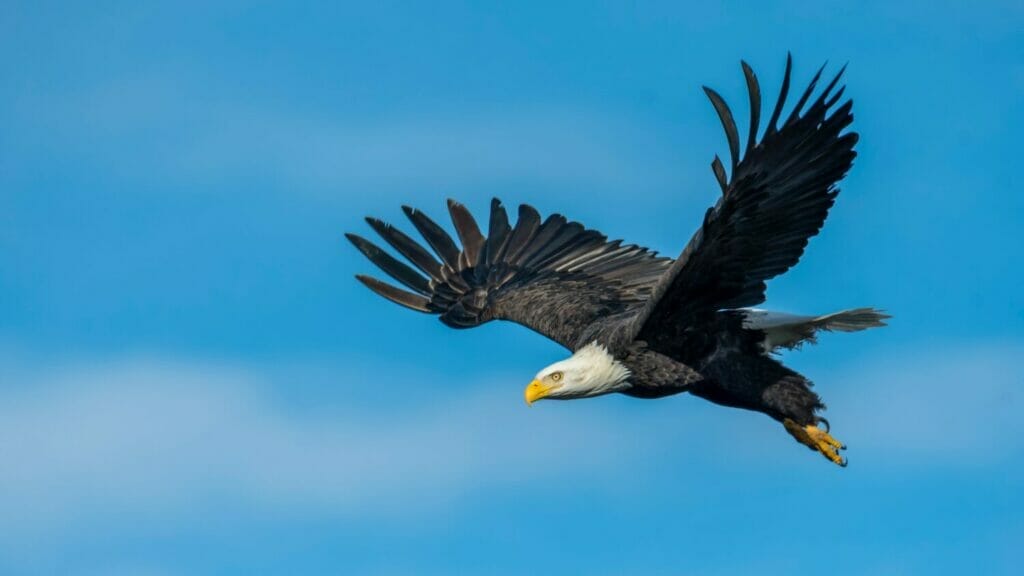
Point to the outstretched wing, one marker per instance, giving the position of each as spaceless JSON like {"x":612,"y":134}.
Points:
{"x":775,"y":200}
{"x":555,"y":277}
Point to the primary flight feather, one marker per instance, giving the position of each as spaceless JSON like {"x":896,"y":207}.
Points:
{"x":645,"y":325}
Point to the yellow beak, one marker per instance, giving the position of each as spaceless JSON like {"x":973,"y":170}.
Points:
{"x":536,"y":390}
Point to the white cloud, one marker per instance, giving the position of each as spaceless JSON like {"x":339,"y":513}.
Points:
{"x":151,"y":438}
{"x":159,"y":437}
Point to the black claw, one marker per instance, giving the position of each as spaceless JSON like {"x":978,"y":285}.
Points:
{"x":828,"y":427}
{"x":844,"y":463}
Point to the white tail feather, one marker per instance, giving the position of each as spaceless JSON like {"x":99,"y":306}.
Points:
{"x":792,"y":331}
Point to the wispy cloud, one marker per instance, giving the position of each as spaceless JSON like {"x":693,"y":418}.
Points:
{"x":157,"y":437}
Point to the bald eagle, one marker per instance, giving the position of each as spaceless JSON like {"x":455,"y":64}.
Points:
{"x":644,"y":325}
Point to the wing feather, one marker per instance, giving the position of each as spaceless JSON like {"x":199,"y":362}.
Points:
{"x":407,"y":247}
{"x":469,"y":234}
{"x":407,"y":299}
{"x":435,"y":236}
{"x":754,"y":91}
{"x":391,"y":266}
{"x":526,"y":228}
{"x":498,"y":232}
{"x":555,"y":277}
{"x":776,"y":198}
{"x":773,"y":123}
{"x":728,"y":123}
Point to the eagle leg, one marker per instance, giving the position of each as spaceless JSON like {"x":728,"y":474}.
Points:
{"x":817,"y":439}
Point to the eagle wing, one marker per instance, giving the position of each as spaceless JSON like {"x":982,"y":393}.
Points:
{"x":776,"y":199}
{"x":555,"y":277}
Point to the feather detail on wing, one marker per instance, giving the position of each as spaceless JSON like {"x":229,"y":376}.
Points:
{"x":777,"y":197}
{"x":553,"y":276}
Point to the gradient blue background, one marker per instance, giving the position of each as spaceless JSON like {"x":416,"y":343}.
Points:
{"x":191,"y":382}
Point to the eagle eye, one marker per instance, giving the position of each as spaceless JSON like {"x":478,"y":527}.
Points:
{"x":556,"y":376}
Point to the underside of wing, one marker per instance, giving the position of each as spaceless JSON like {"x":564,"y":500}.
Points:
{"x":776,"y":198}
{"x":553,"y":276}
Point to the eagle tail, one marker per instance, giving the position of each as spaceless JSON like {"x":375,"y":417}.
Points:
{"x":853,"y":320}
{"x":791,"y":331}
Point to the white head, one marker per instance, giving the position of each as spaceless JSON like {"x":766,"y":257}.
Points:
{"x":591,"y":371}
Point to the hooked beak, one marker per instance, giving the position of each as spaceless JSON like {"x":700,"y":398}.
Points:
{"x":537,"y":390}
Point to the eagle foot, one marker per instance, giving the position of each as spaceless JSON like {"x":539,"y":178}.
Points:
{"x":817,"y":439}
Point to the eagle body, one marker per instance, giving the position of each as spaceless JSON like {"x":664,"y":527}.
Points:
{"x":645,"y":325}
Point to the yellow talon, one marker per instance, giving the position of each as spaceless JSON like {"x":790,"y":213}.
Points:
{"x":817,"y":439}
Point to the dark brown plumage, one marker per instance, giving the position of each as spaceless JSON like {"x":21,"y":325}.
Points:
{"x":676,"y":325}
{"x":555,"y":276}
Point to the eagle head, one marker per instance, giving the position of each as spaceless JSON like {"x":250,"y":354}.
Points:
{"x":591,"y":371}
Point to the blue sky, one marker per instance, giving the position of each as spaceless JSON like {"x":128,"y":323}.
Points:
{"x":191,"y":382}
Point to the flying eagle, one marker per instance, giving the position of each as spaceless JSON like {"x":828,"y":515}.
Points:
{"x":644,"y":325}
